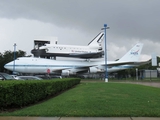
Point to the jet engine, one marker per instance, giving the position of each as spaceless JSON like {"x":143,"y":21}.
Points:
{"x":95,"y":70}
{"x":68,"y":72}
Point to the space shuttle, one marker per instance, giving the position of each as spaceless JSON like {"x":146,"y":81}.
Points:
{"x":92,"y":50}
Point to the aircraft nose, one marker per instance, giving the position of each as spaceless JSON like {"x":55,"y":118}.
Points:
{"x":8,"y":66}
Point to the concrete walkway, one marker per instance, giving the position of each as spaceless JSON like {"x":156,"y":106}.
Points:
{"x":79,"y":118}
{"x":153,"y":84}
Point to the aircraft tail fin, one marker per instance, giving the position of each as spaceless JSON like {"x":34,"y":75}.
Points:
{"x":97,"y":40}
{"x":133,"y":54}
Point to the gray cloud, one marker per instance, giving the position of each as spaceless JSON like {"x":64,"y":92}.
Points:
{"x":129,"y":20}
{"x":132,"y":18}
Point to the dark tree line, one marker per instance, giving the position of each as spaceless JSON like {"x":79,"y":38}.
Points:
{"x":8,"y":56}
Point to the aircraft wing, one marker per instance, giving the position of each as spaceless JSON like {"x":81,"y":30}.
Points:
{"x":142,"y":62}
{"x":127,"y":63}
{"x":109,"y":64}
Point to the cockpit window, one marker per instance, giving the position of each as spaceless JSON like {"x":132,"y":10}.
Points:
{"x":36,"y":47}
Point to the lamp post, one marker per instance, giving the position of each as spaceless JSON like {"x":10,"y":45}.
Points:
{"x":14,"y":58}
{"x":136,"y":73}
{"x":105,"y":52}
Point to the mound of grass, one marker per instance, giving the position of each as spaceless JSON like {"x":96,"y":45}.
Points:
{"x":99,"y":100}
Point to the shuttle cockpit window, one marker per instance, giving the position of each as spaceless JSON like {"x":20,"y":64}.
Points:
{"x":100,"y":49}
{"x":45,"y":44}
{"x":36,"y":47}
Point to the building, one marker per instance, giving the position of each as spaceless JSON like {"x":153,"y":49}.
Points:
{"x":148,"y":74}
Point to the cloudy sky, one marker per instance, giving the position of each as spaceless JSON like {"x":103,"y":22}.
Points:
{"x":77,"y":22}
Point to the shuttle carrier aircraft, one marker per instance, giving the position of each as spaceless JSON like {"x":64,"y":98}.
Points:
{"x":73,"y":67}
{"x":44,"y":49}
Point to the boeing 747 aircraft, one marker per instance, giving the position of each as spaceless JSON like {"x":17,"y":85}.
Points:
{"x":73,"y":67}
{"x":93,"y":50}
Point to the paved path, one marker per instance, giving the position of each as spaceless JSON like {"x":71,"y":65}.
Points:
{"x":79,"y":118}
{"x":153,"y":84}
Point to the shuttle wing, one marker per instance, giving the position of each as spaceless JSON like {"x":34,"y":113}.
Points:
{"x":88,"y":55}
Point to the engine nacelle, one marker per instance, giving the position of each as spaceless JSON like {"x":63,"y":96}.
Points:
{"x":68,"y":72}
{"x":95,"y":70}
{"x":65,"y":73}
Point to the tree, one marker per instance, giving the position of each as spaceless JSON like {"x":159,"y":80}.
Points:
{"x":1,"y":62}
{"x":8,"y":56}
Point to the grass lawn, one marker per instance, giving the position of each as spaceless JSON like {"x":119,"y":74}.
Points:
{"x":99,"y":100}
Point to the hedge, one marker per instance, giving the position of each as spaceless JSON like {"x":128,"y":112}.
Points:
{"x":16,"y":94}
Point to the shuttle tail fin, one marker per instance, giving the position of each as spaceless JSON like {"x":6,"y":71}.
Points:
{"x":97,"y":40}
{"x":133,"y":54}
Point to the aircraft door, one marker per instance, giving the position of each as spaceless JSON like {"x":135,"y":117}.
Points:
{"x":26,"y":68}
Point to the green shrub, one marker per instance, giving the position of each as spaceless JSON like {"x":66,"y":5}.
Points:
{"x":22,"y":93}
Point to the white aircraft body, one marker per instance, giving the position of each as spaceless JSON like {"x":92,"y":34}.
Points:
{"x":93,"y":50}
{"x":72,"y":67}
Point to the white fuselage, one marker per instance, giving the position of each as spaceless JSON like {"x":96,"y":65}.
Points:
{"x":70,"y":49}
{"x":41,"y":65}
{"x":54,"y":50}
